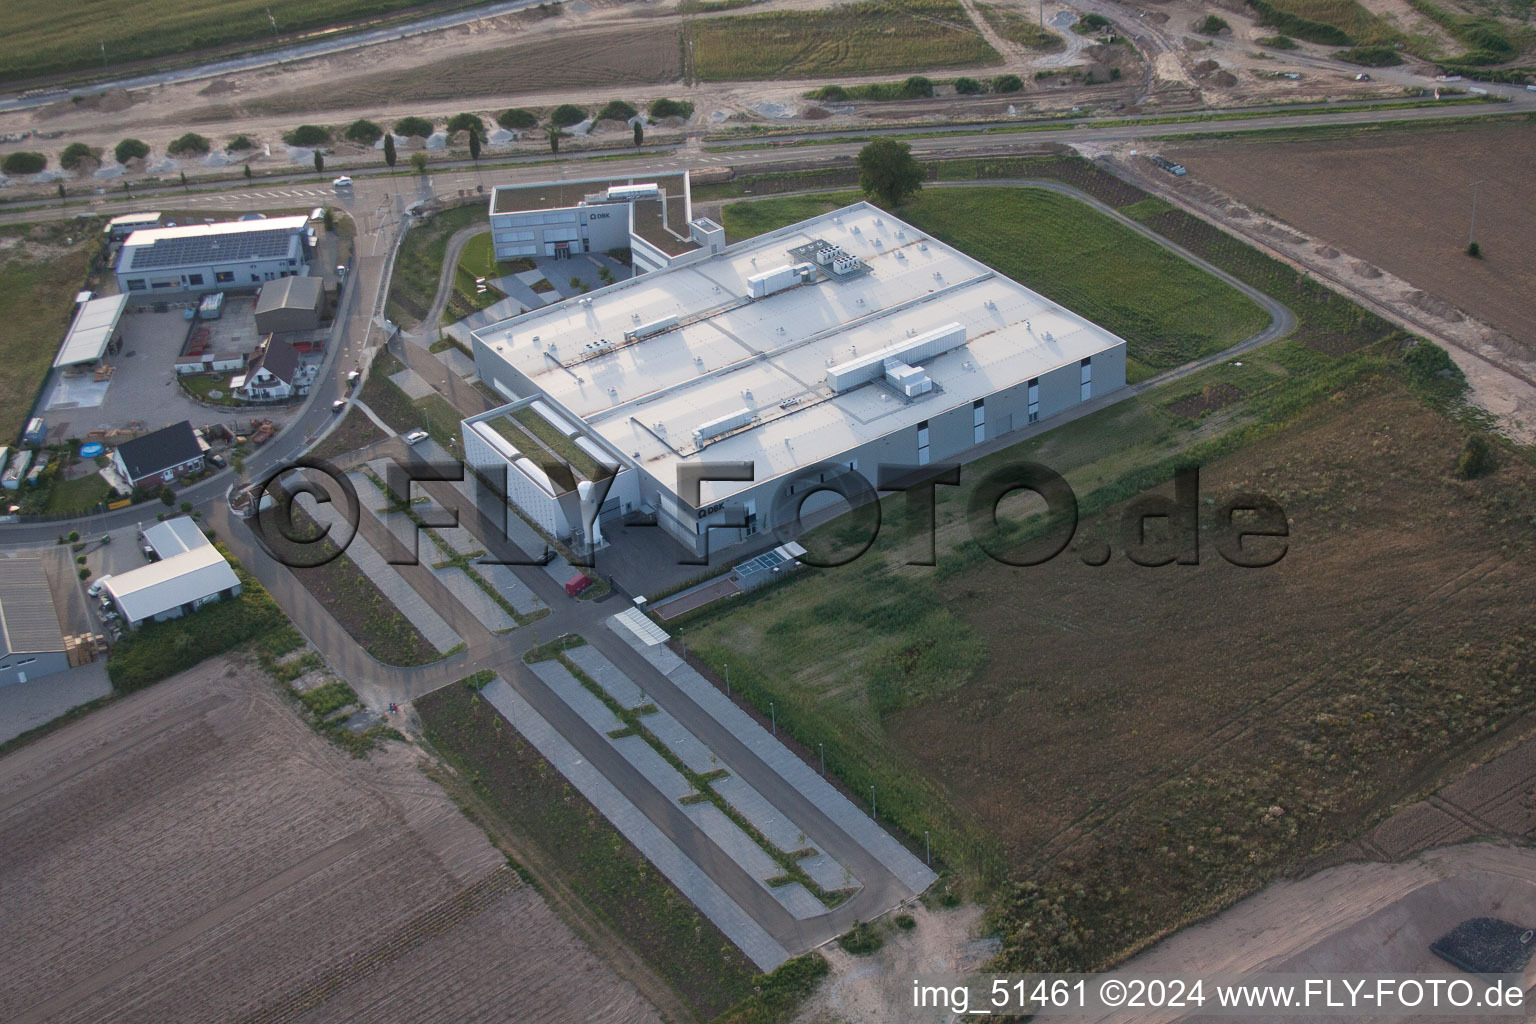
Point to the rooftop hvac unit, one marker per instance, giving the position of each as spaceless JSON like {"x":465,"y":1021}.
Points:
{"x":827,"y":254}
{"x":723,"y":425}
{"x":909,"y":380}
{"x":655,"y":327}
{"x":845,"y":264}
{"x":866,"y":368}
{"x":776,"y":280}
{"x":646,"y":191}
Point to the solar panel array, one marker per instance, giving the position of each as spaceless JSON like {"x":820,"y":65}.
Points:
{"x":245,"y":247}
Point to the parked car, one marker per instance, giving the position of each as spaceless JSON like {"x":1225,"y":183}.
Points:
{"x":341,"y":183}
{"x":149,"y":553}
{"x":338,"y":405}
{"x":414,"y":436}
{"x":95,"y":588}
{"x":218,"y":460}
{"x":1362,"y":77}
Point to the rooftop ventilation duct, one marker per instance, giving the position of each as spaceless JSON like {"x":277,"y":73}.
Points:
{"x":723,"y":425}
{"x":866,"y":368}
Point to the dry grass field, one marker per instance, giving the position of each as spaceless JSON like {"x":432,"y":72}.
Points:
{"x":1403,"y":202}
{"x":861,"y":38}
{"x":195,"y":852}
{"x":1148,"y":745}
{"x":605,"y":57}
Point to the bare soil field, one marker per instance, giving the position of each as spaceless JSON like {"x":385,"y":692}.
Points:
{"x":1403,"y":202}
{"x":641,"y":54}
{"x":195,"y":852}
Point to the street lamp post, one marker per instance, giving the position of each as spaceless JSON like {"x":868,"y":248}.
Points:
{"x":727,"y":680}
{"x":927,"y":848}
{"x":1472,"y":228}
{"x":873,"y":812}
{"x":774,"y":716}
{"x":822,"y":747}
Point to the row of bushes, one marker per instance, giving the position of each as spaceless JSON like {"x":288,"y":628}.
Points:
{"x":1302,"y":28}
{"x":916,"y":87}
{"x":1370,"y":56}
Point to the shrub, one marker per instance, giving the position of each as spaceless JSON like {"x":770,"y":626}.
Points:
{"x":167,"y":496}
{"x":308,"y":135}
{"x":1370,"y":56}
{"x":1006,"y":83}
{"x":130,"y":149}
{"x":1211,"y":25}
{"x":79,"y":559}
{"x":967,"y":86}
{"x":190,"y":144}
{"x":1474,"y":250}
{"x":240,"y":143}
{"x":25,"y":162}
{"x":1302,"y":28}
{"x":417,"y":126}
{"x":84,"y":573}
{"x":671,"y":108}
{"x":1089,"y":22}
{"x":616,"y":110}
{"x":1476,"y":458}
{"x":517,"y":119}
{"x":832,"y":93}
{"x":466,"y":123}
{"x":1277,"y":42}
{"x":74,"y":535}
{"x":75,"y":154}
{"x":419,"y":162}
{"x":567,"y":114}
{"x":906,"y":922}
{"x":861,"y":940}
{"x":363,"y":132}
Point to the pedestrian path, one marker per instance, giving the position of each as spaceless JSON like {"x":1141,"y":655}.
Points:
{"x":691,"y":880}
{"x":855,"y":821}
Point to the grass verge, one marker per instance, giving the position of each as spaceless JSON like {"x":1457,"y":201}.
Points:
{"x":1169,"y":311}
{"x":419,"y":263}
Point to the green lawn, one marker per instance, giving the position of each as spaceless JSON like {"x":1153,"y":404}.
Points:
{"x":81,"y":493}
{"x":37,"y":288}
{"x":863,"y":38}
{"x":1169,"y":311}
{"x":478,"y":260}
{"x":392,"y":405}
{"x":419,"y":264}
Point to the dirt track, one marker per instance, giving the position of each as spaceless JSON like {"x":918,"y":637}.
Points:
{"x":196,"y":852}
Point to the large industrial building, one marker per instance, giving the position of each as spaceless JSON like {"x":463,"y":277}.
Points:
{"x":846,"y":341}
{"x":240,"y":254}
{"x":188,"y":573}
{"x":651,"y":217}
{"x":31,"y":643}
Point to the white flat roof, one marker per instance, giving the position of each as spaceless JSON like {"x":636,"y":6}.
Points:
{"x":196,"y":570}
{"x":91,"y":330}
{"x":174,"y":536}
{"x":772,"y":354}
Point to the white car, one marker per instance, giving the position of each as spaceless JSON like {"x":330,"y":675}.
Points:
{"x":414,"y":436}
{"x":342,"y":182}
{"x":95,"y":588}
{"x":338,"y":405}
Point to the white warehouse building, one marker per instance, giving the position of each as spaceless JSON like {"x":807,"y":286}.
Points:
{"x":846,"y":341}
{"x":651,"y":217}
{"x":236,"y":255}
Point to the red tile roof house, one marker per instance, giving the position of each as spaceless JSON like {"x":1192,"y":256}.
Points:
{"x":160,"y":457}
